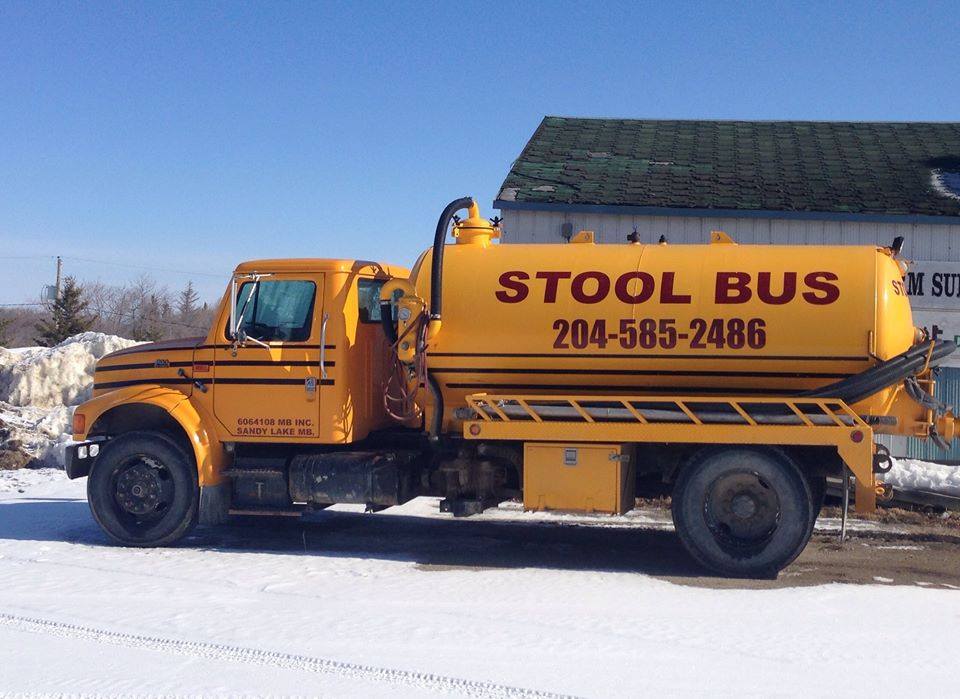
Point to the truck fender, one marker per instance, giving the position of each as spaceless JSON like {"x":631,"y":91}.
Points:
{"x":207,"y":449}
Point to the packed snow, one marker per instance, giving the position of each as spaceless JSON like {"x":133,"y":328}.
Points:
{"x":412,"y":603}
{"x":39,"y":388}
{"x":911,"y":474}
{"x":46,"y":377}
{"x":40,"y":433}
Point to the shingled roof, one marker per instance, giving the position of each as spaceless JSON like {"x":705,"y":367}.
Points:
{"x":847,"y":169}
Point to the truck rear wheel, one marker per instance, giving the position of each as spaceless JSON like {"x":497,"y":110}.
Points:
{"x":143,"y":490}
{"x":743,"y":512}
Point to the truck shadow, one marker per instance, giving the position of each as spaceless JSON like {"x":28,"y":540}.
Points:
{"x":442,"y":544}
{"x":433,"y":543}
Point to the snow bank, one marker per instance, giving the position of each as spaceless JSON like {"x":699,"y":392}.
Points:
{"x":911,"y":474}
{"x":47,"y":377}
{"x":39,"y":387}
{"x":40,"y":434}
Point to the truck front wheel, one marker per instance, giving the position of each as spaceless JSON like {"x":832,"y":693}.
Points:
{"x":743,"y":512}
{"x":143,"y":490}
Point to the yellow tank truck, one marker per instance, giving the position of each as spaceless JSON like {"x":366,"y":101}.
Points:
{"x":743,"y":375}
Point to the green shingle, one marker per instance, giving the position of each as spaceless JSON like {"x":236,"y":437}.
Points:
{"x":840,"y":167}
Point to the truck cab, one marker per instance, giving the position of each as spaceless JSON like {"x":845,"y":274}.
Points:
{"x":294,"y":362}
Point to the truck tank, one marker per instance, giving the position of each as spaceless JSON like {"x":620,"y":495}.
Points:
{"x":638,"y":319}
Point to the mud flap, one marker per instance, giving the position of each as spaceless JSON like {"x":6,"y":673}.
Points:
{"x":214,"y":504}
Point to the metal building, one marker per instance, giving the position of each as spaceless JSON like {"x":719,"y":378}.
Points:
{"x":770,"y":182}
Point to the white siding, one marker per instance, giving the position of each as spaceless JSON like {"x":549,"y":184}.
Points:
{"x":924,"y":241}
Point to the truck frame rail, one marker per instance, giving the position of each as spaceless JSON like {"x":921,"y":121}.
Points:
{"x":687,"y":419}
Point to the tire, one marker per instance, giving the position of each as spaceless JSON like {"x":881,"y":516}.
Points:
{"x":143,"y":490}
{"x":743,"y":512}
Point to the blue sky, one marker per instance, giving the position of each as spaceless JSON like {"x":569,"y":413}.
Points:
{"x":190,"y":136}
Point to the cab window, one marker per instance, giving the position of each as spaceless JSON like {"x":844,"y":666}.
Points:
{"x":277,"y":310}
{"x":368,"y":299}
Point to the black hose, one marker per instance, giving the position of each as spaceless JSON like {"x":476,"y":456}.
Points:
{"x":439,"y":242}
{"x":854,"y":389}
{"x":437,"y":405}
{"x":436,"y":301}
{"x":386,"y":322}
{"x":436,"y":296}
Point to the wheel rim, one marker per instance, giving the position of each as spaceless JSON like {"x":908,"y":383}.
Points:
{"x":742,"y":511}
{"x":142,"y":490}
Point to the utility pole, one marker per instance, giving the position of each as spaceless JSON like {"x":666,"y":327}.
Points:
{"x":59,"y":270}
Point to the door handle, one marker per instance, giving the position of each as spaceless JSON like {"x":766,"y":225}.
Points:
{"x":323,"y":345}
{"x":196,"y":382}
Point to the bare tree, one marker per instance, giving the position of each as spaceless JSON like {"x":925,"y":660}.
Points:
{"x":23,"y":326}
{"x":5,"y":334}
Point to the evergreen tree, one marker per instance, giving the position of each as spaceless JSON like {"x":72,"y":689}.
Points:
{"x":68,"y":316}
{"x":187,"y":303}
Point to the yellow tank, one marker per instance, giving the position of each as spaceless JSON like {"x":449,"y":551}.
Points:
{"x":642,"y":319}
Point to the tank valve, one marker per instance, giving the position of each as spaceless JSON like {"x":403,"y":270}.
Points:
{"x":475,"y":229}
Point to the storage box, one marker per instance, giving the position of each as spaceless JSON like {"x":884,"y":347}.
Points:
{"x":578,"y":477}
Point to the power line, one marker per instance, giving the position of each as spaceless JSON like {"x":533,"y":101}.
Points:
{"x":144,"y":267}
{"x":87,"y":260}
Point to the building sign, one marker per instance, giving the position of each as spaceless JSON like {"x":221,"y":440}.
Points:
{"x":934,"y":285}
{"x":934,"y":290}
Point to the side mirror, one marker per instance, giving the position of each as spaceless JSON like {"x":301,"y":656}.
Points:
{"x":232,"y":331}
{"x":237,"y":333}
{"x":236,"y":318}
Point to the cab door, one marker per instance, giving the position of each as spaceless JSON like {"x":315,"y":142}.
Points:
{"x":267,"y":387}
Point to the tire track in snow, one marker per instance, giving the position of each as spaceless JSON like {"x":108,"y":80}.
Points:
{"x":283,"y":661}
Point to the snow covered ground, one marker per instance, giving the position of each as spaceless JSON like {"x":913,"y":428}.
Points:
{"x":395,"y":605}
{"x":409,"y":602}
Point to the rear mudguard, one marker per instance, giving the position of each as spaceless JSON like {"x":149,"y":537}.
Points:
{"x":207,"y":448}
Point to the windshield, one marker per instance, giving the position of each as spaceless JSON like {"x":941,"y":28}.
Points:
{"x":276,"y":310}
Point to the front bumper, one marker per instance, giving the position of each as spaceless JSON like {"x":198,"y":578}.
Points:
{"x":79,"y":458}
